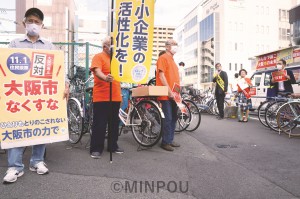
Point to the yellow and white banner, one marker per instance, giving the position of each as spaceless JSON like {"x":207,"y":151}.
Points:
{"x":133,"y":40}
{"x":32,"y":84}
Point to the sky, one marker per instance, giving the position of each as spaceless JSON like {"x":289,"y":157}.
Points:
{"x":171,"y":12}
{"x":167,"y":12}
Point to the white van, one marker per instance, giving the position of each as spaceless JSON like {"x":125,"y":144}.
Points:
{"x":261,"y":82}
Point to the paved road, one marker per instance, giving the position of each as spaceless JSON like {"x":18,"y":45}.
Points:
{"x":223,"y":159}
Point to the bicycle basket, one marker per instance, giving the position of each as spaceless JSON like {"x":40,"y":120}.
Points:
{"x":80,"y":73}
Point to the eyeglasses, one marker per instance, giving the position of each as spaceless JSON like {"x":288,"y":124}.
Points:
{"x":31,"y":21}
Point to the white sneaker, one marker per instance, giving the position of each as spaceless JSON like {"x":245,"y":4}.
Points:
{"x":12,"y":175}
{"x":40,"y":168}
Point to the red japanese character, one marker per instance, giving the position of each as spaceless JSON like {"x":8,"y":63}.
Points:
{"x":26,"y":107}
{"x":50,"y":87}
{"x":38,"y":104}
{"x":12,"y":106}
{"x":52,"y":104}
{"x":33,"y":87}
{"x":13,"y":88}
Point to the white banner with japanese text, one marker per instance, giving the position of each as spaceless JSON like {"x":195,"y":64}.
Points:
{"x":32,"y":84}
{"x":133,"y":40}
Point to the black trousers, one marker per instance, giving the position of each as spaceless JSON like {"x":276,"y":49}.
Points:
{"x":102,"y":113}
{"x":220,"y":103}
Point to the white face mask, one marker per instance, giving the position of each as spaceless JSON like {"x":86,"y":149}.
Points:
{"x":279,"y":67}
{"x":33,"y":29}
{"x":174,"y":49}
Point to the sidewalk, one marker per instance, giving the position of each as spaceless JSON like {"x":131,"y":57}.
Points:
{"x":73,"y":174}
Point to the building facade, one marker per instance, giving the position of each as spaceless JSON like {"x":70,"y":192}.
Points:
{"x":59,"y":18}
{"x":230,"y":32}
{"x":160,"y":35}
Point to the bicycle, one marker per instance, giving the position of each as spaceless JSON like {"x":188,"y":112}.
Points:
{"x":80,"y":113}
{"x":196,"y":116}
{"x":288,"y":117}
{"x":184,"y":117}
{"x":144,"y":117}
{"x":271,"y":111}
{"x":190,"y":119}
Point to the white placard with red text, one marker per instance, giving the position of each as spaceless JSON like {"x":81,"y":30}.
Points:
{"x":33,"y":111}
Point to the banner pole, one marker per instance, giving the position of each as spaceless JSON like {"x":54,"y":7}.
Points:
{"x":110,"y":84}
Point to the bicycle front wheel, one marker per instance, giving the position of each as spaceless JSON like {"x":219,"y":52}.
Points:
{"x":262,"y":113}
{"x":196,"y":116}
{"x":75,"y":121}
{"x":146,"y":123}
{"x":270,"y":116}
{"x":288,"y":117}
{"x":184,"y":118}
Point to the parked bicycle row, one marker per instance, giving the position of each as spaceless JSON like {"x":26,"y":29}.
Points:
{"x":144,"y":116}
{"x":281,"y":114}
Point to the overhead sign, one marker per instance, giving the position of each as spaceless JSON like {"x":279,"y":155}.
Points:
{"x":133,"y":40}
{"x":290,"y":55}
{"x":32,"y":84}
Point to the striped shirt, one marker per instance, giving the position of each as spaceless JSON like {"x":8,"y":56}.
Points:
{"x":25,"y":42}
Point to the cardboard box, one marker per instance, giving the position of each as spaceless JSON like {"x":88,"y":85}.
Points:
{"x":150,"y":91}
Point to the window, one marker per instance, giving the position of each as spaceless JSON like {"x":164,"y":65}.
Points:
{"x":267,"y":30}
{"x":241,"y":27}
{"x":235,"y":66}
{"x":190,"y":23}
{"x":241,"y":66}
{"x":283,"y":15}
{"x":235,"y":46}
{"x":267,"y":79}
{"x":262,"y":29}
{"x":296,"y":72}
{"x":284,"y":34}
{"x":256,"y":79}
{"x":262,"y":10}
{"x":241,"y":46}
{"x":230,"y":66}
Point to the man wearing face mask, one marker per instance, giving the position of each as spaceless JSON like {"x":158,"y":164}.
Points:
{"x":167,"y":74}
{"x":284,"y":86}
{"x":33,"y":23}
{"x":101,"y":99}
{"x":221,"y":80}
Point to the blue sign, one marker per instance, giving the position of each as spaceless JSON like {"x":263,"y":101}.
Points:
{"x":18,"y":63}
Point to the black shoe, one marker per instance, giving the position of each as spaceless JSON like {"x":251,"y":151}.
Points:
{"x":220,"y":118}
{"x":96,"y":155}
{"x":118,"y":151}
